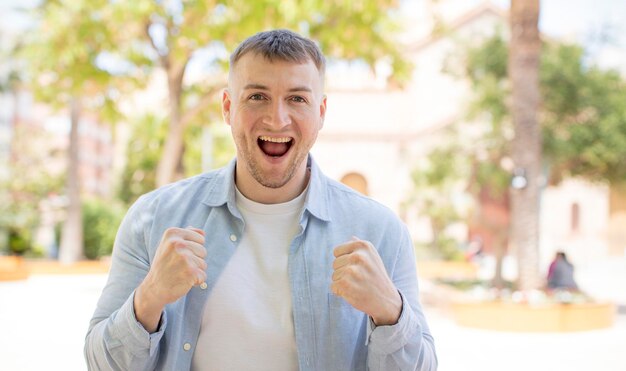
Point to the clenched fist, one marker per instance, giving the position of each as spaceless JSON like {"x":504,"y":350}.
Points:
{"x":178,"y":265}
{"x":360,"y":277}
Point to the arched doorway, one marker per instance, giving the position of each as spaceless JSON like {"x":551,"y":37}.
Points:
{"x":356,"y":181}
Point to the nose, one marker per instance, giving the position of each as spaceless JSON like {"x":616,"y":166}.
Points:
{"x":278,"y":115}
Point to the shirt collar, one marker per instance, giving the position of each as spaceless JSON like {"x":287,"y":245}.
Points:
{"x":221,"y":190}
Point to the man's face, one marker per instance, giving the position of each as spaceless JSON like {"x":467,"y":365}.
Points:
{"x":275,"y":110}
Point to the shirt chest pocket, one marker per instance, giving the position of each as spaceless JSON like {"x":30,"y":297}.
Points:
{"x":347,"y":334}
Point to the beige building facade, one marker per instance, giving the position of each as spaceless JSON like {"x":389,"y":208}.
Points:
{"x":374,"y":135}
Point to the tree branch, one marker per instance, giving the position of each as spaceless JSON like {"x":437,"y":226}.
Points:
{"x":162,"y":58}
{"x":204,"y":100}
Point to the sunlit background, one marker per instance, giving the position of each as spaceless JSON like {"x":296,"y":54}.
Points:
{"x":102,"y":101}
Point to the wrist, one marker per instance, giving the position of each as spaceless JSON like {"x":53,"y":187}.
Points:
{"x":147,"y":309}
{"x":392,"y":312}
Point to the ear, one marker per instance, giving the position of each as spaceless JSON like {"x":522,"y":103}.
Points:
{"x":226,"y":106}
{"x":322,"y":111}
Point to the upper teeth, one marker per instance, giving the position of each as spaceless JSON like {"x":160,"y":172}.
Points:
{"x":275,"y":140}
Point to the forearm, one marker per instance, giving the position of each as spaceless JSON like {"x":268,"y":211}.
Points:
{"x":392,"y":312}
{"x":147,"y":310}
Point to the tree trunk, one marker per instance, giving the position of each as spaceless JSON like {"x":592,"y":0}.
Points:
{"x":72,"y":238}
{"x":499,"y":250}
{"x":524,"y":76}
{"x":170,"y":166}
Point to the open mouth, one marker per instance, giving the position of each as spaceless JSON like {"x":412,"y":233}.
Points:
{"x":274,"y":146}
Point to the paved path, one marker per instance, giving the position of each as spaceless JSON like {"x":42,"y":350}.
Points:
{"x":43,"y":322}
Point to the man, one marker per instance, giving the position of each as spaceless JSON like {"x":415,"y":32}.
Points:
{"x":265,"y":264}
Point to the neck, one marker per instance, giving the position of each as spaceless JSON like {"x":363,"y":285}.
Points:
{"x":253,"y":190}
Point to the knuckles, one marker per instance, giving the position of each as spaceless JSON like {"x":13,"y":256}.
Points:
{"x":178,"y":244}
{"x":353,"y":272}
{"x":347,"y":274}
{"x":171,"y":231}
{"x":357,"y":258}
{"x":190,"y":270}
{"x":365,"y":246}
{"x":203,"y":253}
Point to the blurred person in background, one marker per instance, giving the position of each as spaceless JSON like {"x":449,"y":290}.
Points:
{"x":561,"y":273}
{"x":265,"y":264}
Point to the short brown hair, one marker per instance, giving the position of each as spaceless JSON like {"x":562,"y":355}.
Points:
{"x":282,"y":45}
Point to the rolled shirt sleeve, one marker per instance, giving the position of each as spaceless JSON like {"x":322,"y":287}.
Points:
{"x":116,"y":340}
{"x":403,"y":346}
{"x":122,"y":343}
{"x":133,"y":335}
{"x":408,"y":344}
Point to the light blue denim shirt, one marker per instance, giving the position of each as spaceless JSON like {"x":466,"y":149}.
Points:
{"x":330,"y":333}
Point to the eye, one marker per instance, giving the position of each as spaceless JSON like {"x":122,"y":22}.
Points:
{"x":298,"y":99}
{"x":256,"y":96}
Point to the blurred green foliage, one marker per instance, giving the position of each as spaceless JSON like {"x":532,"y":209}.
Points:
{"x":435,"y":181}
{"x":583,"y":113}
{"x":143,"y":151}
{"x":583,"y":118}
{"x":179,"y":39}
{"x":19,"y":241}
{"x":101,"y":220}
{"x":145,"y":146}
{"x":62,"y":55}
{"x":100,"y":53}
{"x":25,"y":183}
{"x":222,"y":147}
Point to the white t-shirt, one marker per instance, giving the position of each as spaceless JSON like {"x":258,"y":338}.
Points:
{"x":247,"y":323}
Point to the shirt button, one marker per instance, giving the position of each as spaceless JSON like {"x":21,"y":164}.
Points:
{"x":203,"y":285}
{"x":233,"y":237}
{"x":186,"y":346}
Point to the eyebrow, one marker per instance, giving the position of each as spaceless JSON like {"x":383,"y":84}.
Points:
{"x":263,"y":87}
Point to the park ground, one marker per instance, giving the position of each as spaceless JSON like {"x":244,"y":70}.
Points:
{"x":43,"y":321}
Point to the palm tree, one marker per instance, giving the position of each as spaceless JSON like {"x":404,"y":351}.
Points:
{"x":523,"y":69}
